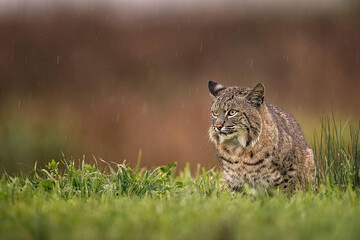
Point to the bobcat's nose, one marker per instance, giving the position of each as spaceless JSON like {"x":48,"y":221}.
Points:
{"x":219,"y":126}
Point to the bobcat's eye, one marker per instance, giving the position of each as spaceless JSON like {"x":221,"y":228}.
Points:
{"x":215,"y":113}
{"x":232,"y":112}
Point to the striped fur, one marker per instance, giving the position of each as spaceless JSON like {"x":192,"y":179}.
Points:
{"x":257,"y":143}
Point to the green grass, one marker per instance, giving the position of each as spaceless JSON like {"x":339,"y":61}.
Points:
{"x":76,"y":200}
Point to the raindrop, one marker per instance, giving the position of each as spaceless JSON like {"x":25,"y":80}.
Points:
{"x":251,"y":63}
{"x":182,"y":105}
{"x":58,"y":60}
{"x":144,"y":108}
{"x":19,"y":104}
{"x":122,"y":99}
{"x":118,"y":117}
{"x":201,"y":47}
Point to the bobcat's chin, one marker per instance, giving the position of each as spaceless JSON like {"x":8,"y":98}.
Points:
{"x":236,"y":138}
{"x":224,"y":137}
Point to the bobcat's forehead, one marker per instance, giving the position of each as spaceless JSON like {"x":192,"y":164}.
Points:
{"x":234,"y":91}
{"x":230,"y":98}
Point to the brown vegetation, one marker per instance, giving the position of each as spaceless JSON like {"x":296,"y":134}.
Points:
{"x":109,"y":83}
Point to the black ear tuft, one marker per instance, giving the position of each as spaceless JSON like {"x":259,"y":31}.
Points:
{"x":215,"y":88}
{"x":256,"y":96}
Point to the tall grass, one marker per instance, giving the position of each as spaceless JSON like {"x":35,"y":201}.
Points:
{"x":337,"y":154}
{"x":84,"y":181}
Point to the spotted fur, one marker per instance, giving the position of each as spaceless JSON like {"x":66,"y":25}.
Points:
{"x":257,"y":143}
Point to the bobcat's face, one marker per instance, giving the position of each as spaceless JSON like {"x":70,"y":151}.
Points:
{"x":228,"y":119}
{"x":234,"y":114}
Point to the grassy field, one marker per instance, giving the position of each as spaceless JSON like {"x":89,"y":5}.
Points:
{"x":76,"y":200}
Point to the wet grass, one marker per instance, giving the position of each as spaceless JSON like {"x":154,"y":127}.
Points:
{"x":76,"y":200}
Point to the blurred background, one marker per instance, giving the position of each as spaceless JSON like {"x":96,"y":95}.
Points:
{"x":128,"y":80}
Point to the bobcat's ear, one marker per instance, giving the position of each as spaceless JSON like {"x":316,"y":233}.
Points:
{"x":215,"y":88}
{"x":256,"y":96}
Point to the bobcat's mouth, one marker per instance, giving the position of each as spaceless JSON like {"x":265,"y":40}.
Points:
{"x":225,"y":131}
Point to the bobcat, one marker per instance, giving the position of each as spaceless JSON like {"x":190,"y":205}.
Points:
{"x":257,"y":143}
